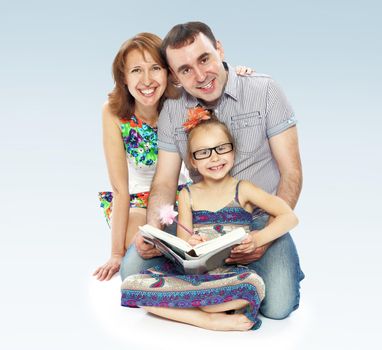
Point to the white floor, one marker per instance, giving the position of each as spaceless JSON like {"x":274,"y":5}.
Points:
{"x":136,"y":328}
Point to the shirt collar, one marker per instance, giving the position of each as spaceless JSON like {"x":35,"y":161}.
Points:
{"x":230,"y":88}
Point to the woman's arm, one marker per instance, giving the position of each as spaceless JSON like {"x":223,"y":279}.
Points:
{"x":284,"y":218}
{"x":118,"y":174}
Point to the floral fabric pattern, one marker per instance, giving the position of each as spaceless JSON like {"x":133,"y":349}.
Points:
{"x":137,"y":200}
{"x":140,"y":141}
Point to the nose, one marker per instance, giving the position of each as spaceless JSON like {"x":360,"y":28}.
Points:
{"x":214,"y":155}
{"x":146,"y":79}
{"x":199,"y":74}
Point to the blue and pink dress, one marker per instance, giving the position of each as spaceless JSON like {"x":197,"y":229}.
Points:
{"x":164,"y":286}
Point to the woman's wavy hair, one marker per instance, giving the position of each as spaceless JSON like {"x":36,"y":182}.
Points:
{"x":121,"y":102}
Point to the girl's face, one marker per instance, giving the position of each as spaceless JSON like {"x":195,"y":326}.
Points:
{"x":145,"y":78}
{"x":216,"y":166}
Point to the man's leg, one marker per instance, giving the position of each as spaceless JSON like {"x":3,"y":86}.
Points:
{"x":132,"y":263}
{"x":280,"y":269}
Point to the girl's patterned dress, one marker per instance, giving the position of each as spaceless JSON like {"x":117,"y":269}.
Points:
{"x":141,"y":144}
{"x":163,"y":286}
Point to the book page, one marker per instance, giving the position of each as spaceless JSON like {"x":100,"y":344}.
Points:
{"x":167,"y":237}
{"x":216,"y":243}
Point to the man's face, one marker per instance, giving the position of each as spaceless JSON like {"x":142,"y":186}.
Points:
{"x":199,"y":68}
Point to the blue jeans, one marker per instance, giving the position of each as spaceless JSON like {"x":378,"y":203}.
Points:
{"x":279,"y":267}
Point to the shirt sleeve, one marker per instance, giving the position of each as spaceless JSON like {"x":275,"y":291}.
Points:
{"x":166,"y":139}
{"x":279,"y":113}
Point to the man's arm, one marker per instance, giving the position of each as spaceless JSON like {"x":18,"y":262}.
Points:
{"x":286,"y":153}
{"x":164,"y":185}
{"x":163,"y":190}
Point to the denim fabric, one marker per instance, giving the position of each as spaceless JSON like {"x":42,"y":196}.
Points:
{"x":133,"y":263}
{"x":279,"y":267}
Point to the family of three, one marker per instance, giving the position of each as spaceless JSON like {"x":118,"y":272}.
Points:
{"x":178,"y":100}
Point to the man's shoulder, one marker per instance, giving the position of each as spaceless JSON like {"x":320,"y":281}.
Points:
{"x":255,"y":84}
{"x":179,"y":102}
{"x":255,"y":78}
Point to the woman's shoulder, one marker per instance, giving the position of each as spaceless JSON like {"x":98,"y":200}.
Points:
{"x":107,"y":113}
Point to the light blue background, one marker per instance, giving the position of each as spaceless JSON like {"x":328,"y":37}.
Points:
{"x":55,"y":73}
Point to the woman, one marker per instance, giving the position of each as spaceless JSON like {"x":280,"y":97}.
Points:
{"x":129,"y":122}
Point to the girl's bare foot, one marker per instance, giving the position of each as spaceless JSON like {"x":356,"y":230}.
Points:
{"x":223,"y":322}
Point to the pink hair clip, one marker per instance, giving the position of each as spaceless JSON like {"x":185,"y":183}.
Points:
{"x":195,"y":116}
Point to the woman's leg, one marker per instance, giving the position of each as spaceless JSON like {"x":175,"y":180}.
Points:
{"x":214,"y":321}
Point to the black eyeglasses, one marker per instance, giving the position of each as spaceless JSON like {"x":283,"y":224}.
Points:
{"x":206,"y":152}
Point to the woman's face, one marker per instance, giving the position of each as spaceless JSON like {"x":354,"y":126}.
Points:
{"x":145,"y":78}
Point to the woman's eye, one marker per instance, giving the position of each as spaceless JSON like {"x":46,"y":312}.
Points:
{"x":157,"y":68}
{"x":135,"y":70}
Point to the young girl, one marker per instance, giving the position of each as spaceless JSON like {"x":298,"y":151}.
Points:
{"x":212,"y":207}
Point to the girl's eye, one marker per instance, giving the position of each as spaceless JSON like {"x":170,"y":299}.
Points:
{"x":203,"y":152}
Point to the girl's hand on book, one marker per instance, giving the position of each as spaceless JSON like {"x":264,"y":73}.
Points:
{"x":195,"y":239}
{"x":108,"y":270}
{"x":248,"y":245}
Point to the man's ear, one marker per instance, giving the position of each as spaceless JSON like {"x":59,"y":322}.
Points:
{"x":219,"y":48}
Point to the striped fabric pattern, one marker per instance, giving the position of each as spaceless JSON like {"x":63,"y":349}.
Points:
{"x":254,"y":108}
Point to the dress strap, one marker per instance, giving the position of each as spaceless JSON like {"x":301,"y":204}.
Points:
{"x":189,"y":194}
{"x":237,"y":192}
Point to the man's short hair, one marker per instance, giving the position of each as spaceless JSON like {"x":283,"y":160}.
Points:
{"x":185,"y":34}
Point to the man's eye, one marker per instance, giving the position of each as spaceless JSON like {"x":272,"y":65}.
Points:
{"x":186,"y":71}
{"x":204,"y":60}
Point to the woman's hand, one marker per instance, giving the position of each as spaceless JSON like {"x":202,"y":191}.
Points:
{"x":242,"y":70}
{"x":195,"y":239}
{"x":108,"y":270}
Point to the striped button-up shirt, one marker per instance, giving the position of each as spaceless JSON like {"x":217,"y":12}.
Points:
{"x":254,"y":109}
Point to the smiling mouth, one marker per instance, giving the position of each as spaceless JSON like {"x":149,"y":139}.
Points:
{"x":217,"y":167}
{"x":147,"y":92}
{"x":207,"y":86}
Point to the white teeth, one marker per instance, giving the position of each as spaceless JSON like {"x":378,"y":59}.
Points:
{"x":217,"y":167}
{"x":147,"y":92}
{"x":207,"y":86}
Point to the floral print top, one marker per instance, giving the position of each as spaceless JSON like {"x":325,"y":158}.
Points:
{"x":141,"y":142}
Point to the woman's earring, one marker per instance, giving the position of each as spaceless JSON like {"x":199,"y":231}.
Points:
{"x":177,"y":84}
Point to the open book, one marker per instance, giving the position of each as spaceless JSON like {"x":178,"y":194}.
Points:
{"x":196,"y":259}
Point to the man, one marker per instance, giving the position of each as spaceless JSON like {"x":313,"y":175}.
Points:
{"x":262,"y":123}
